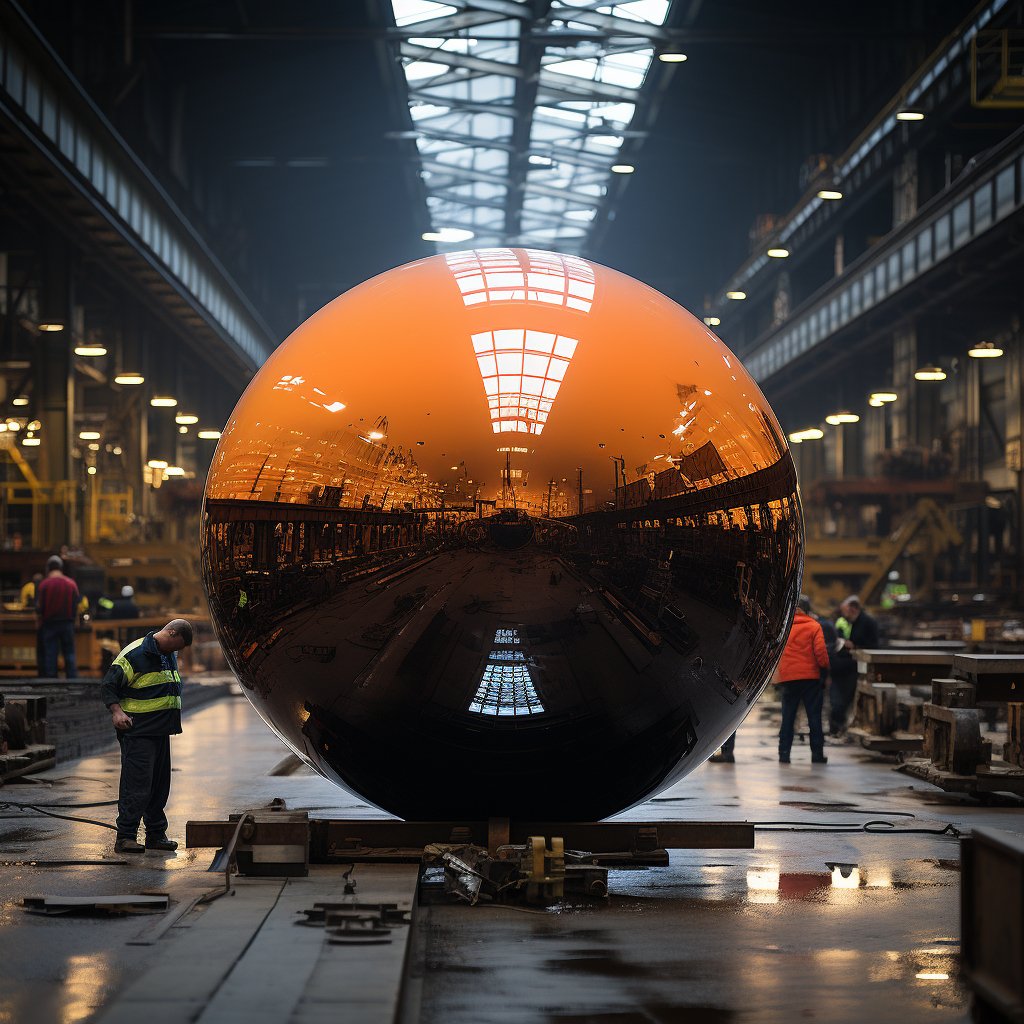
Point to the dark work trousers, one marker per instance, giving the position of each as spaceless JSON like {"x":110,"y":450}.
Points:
{"x":57,"y":635}
{"x":729,"y":745}
{"x":812,"y":693}
{"x":840,"y":697}
{"x":145,"y":783}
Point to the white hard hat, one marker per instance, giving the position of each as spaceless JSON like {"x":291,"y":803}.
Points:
{"x":127,"y":592}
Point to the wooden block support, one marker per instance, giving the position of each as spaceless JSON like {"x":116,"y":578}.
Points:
{"x":952,"y":739}
{"x":953,"y":693}
{"x":1013,"y":749}
{"x":876,"y":707}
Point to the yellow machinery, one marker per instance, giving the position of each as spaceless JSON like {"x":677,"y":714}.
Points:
{"x":837,"y":566}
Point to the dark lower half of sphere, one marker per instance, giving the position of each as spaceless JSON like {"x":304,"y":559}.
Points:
{"x":451,"y":674}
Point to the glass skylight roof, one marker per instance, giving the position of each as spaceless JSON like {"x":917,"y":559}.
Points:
{"x":518,"y":120}
{"x":506,"y":687}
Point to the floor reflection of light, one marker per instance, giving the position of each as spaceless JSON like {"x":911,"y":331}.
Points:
{"x":763,"y":883}
{"x":879,"y":878}
{"x":848,"y":880}
{"x":84,"y":981}
{"x":932,"y":976}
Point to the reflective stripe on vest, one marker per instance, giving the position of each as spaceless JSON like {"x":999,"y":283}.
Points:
{"x":122,"y":662}
{"x":154,"y":679}
{"x":130,"y":706}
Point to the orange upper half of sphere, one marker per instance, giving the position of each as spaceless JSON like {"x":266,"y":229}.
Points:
{"x":477,"y":373}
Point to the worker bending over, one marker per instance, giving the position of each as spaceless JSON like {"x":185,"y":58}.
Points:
{"x":142,"y":690}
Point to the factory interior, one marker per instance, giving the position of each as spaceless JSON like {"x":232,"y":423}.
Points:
{"x":511,"y":511}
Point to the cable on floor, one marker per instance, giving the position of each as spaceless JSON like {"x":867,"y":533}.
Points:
{"x":50,"y":814}
{"x":876,"y":827}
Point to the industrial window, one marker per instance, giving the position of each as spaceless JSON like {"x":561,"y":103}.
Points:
{"x":522,"y":372}
{"x":506,"y":687}
{"x":496,"y":275}
{"x":983,"y":207}
{"x":961,"y":222}
{"x":907,"y":258}
{"x":1004,"y":191}
{"x":942,"y":237}
{"x":924,"y":249}
{"x":894,"y":271}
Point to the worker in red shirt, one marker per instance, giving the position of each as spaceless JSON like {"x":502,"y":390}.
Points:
{"x":800,"y":677}
{"x":57,"y":601}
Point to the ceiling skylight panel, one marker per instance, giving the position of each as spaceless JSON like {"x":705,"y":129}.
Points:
{"x":411,"y":12}
{"x":420,"y":70}
{"x":654,"y":12}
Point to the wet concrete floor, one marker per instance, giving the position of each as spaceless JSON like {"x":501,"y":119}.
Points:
{"x":808,"y":925}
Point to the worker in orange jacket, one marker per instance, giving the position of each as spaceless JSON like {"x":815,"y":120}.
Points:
{"x":801,"y":677}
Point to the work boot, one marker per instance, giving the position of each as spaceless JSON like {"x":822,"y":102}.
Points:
{"x":819,"y":759}
{"x":126,"y":844}
{"x":161,"y":843}
{"x":783,"y":758}
{"x":722,"y":757}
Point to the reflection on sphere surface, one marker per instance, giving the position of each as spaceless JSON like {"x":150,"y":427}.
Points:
{"x":502,"y":532}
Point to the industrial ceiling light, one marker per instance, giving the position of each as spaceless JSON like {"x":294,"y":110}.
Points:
{"x":174,"y":471}
{"x":129,"y":378}
{"x":31,"y":442}
{"x":984,"y":350}
{"x":672,"y":57}
{"x":90,"y":350}
{"x":839,"y":418}
{"x":778,"y":254}
{"x":736,"y":295}
{"x":447,"y":235}
{"x":829,"y":193}
{"x":163,"y":402}
{"x":930,"y":373}
{"x":88,"y":435}
{"x":712,"y":321}
{"x":209,"y":435}
{"x":882,"y":397}
{"x":50,"y":326}
{"x":875,"y":403}
{"x":20,"y":400}
{"x":35,"y":425}
{"x":809,"y":434}
{"x":157,"y":464}
{"x":13,"y":425}
{"x":909,"y":114}
{"x":538,"y":160}
{"x":186,"y":418}
{"x":623,"y":168}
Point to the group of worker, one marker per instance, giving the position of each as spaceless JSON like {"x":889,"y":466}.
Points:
{"x":58,"y":604}
{"x":818,"y":655}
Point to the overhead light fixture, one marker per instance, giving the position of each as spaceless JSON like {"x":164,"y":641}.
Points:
{"x":13,"y":425}
{"x":182,"y":430}
{"x":778,"y":254}
{"x":984,"y":350}
{"x":809,"y":434}
{"x":930,"y":373}
{"x":35,"y":425}
{"x":623,"y":168}
{"x":839,"y":418}
{"x":3,"y":427}
{"x":174,"y":471}
{"x":736,"y":295}
{"x":447,"y":235}
{"x":20,"y":400}
{"x":185,"y":417}
{"x":91,"y":470}
{"x":712,"y":321}
{"x":163,"y":402}
{"x":672,"y":57}
{"x":50,"y":326}
{"x":31,"y":442}
{"x":875,"y":403}
{"x":90,"y":350}
{"x":829,"y":193}
{"x":157,"y":464}
{"x":538,"y":160}
{"x":94,"y":447}
{"x":882,"y":397}
{"x":909,"y":114}
{"x":89,"y":435}
{"x":209,"y":435}
{"x":129,"y":378}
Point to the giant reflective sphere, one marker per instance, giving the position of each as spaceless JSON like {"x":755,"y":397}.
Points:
{"x":502,"y":532}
